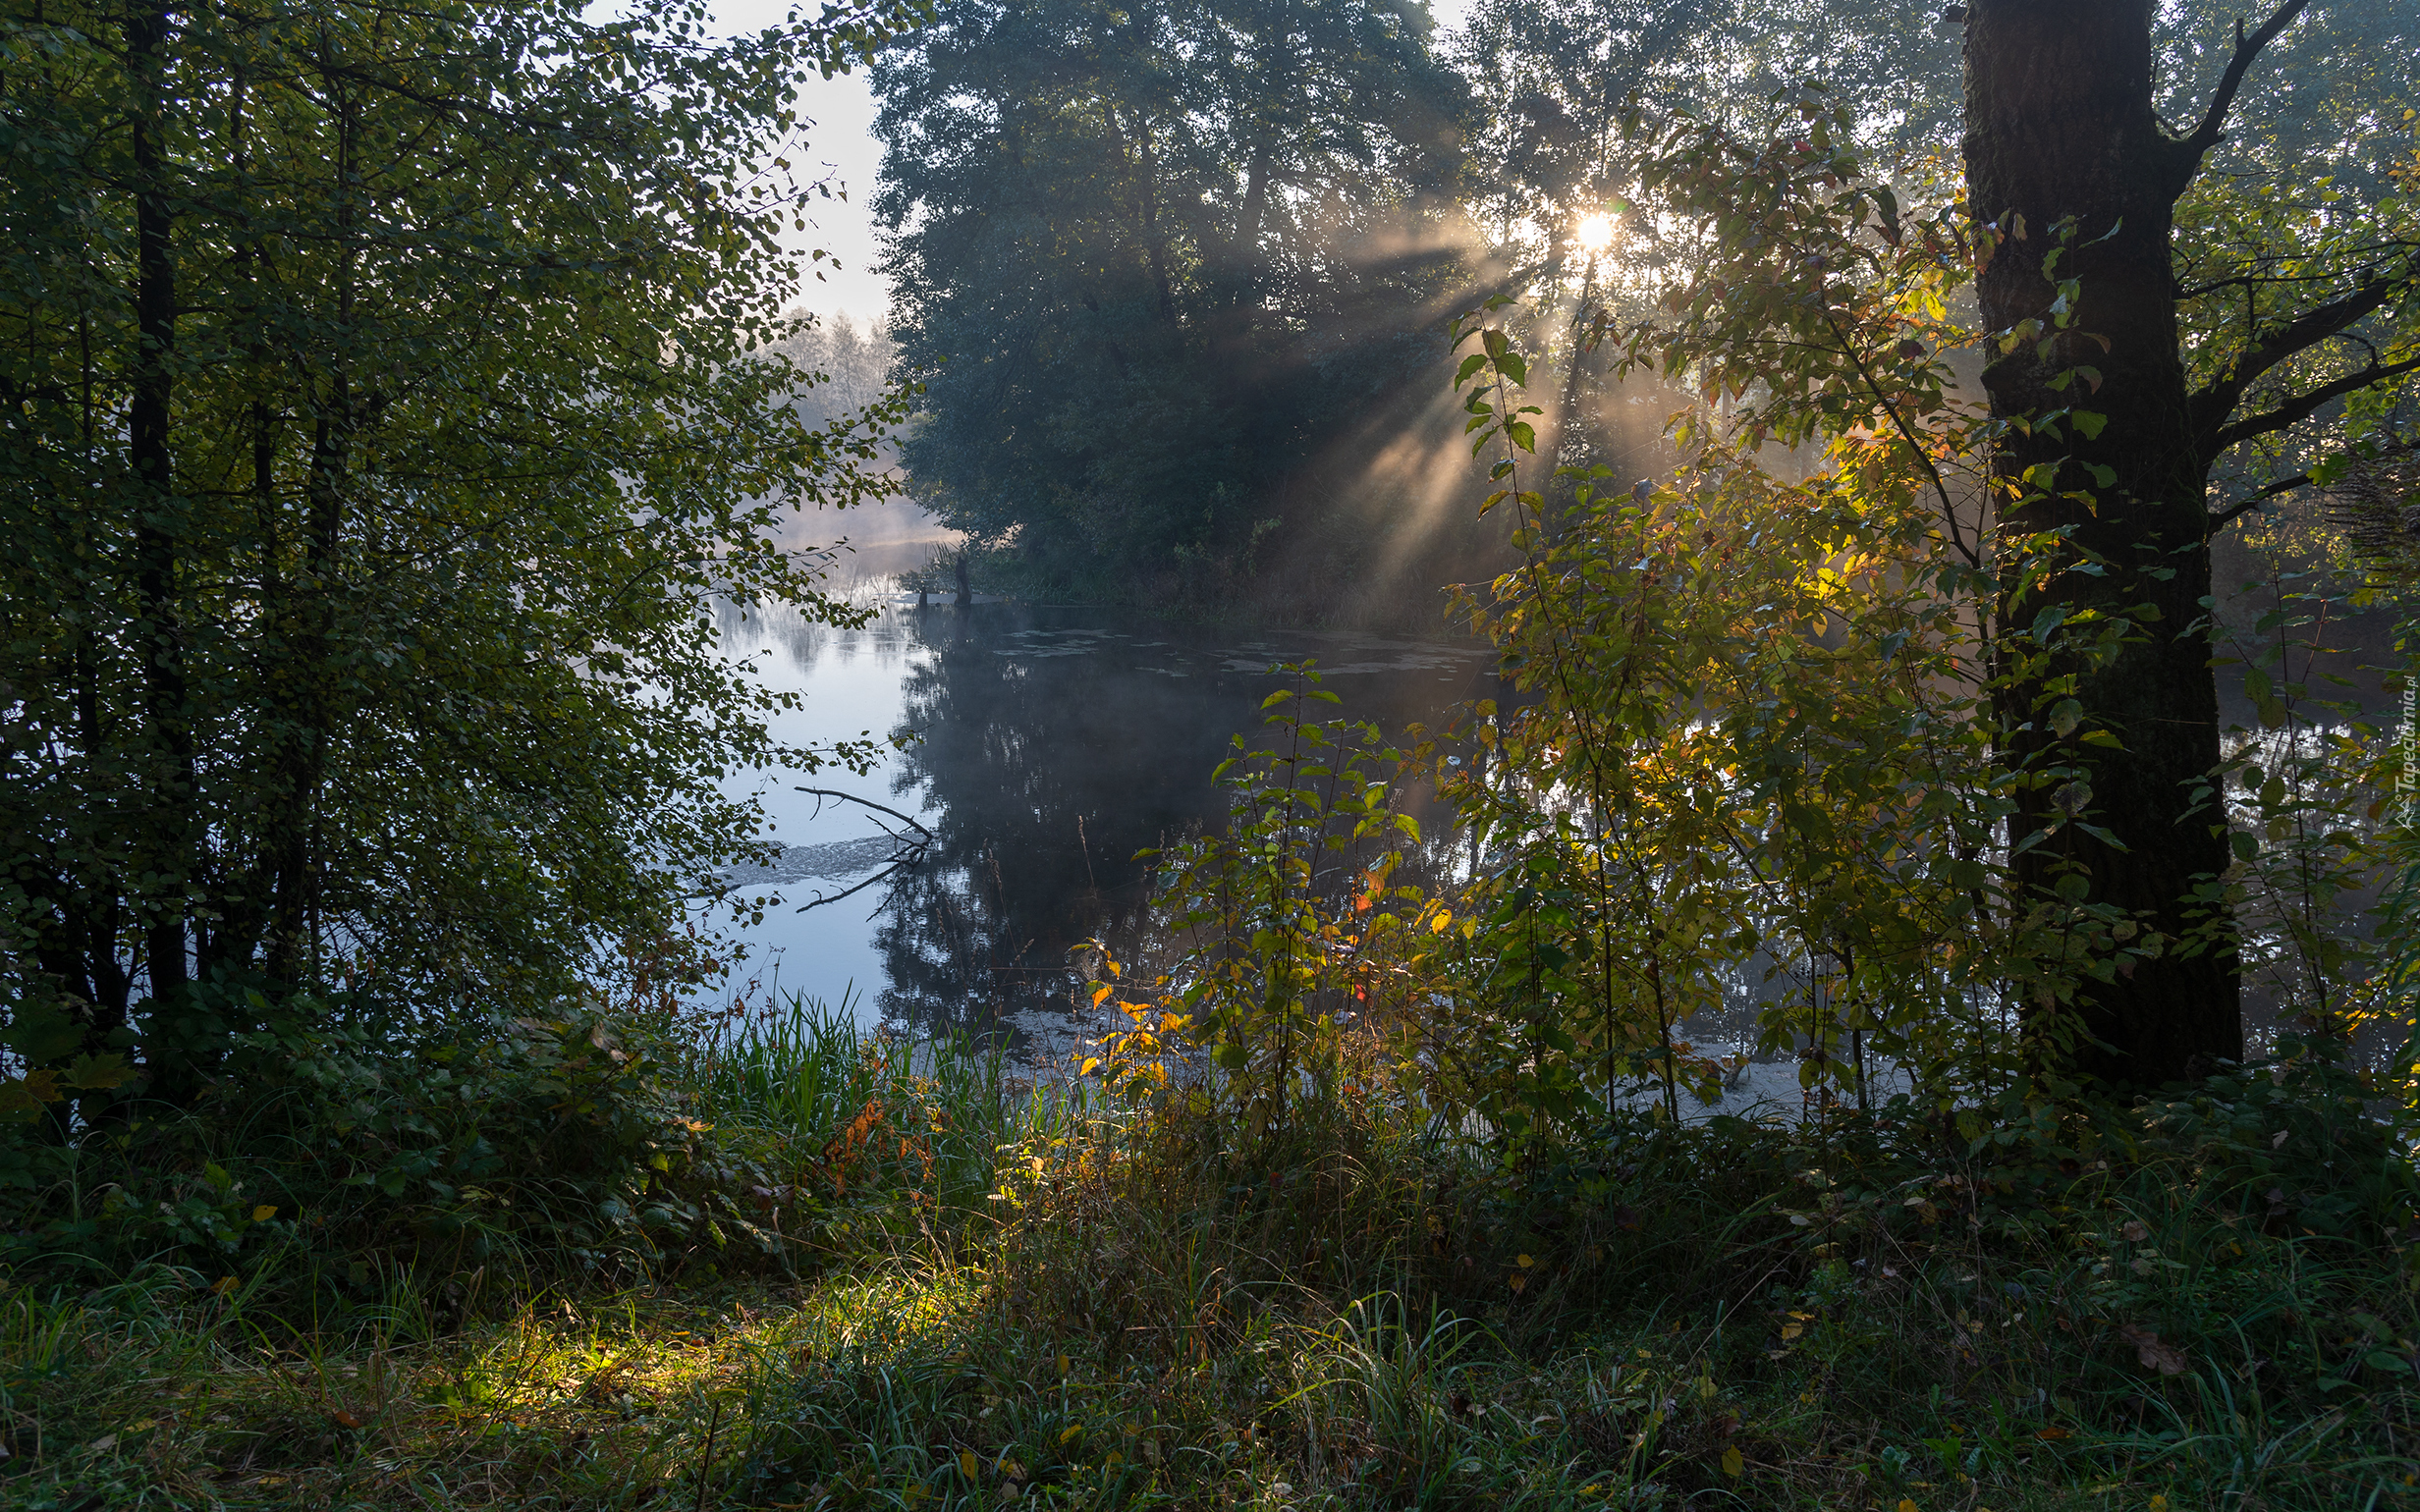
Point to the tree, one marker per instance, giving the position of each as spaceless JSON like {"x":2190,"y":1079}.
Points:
{"x":2121,"y":389}
{"x":381,"y":413}
{"x":848,"y":365}
{"x":1145,"y":258}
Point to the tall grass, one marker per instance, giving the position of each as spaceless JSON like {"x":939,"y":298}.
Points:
{"x":933,"y":1116}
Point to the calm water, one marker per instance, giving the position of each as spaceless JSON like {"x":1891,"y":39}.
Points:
{"x":1045,"y":747}
{"x":1049,"y":746}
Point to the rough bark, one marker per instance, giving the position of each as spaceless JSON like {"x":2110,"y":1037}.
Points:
{"x":168,"y":819}
{"x":2066,"y":160}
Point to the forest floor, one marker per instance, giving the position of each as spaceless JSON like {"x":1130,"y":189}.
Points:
{"x":1125,"y":1314}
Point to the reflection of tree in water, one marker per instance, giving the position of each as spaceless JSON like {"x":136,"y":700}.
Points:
{"x":1047,"y":771}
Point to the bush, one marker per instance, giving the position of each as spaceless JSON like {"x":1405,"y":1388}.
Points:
{"x":521,"y":1147}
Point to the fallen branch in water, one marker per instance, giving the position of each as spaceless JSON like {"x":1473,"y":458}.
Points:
{"x":908,"y":854}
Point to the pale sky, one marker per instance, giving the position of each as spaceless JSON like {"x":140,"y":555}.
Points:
{"x":839,"y":138}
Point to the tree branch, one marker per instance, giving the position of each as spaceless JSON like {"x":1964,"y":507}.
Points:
{"x":2193,"y":148}
{"x":907,"y":855}
{"x":2302,"y":405}
{"x":2214,"y":403}
{"x":885,"y":875}
{"x":851,"y":797}
{"x":2228,"y":516}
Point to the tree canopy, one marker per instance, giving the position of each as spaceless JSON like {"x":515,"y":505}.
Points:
{"x":1146,"y":257}
{"x":382,"y":410}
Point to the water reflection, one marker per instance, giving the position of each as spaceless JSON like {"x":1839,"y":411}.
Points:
{"x":1049,"y":746}
{"x":1053,"y":748}
{"x":1044,"y":748}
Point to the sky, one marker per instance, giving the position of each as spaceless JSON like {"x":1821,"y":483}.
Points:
{"x":840,"y":141}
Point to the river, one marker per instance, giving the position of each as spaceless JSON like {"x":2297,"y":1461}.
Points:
{"x":1041,"y":748}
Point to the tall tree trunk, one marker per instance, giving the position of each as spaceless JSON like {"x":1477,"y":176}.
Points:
{"x":167,"y":815}
{"x":2065,"y":161}
{"x":291,"y":951}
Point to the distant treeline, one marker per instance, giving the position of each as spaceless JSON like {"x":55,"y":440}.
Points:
{"x":1176,"y":276}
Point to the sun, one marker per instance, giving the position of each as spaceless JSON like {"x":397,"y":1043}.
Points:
{"x":1595,"y":233}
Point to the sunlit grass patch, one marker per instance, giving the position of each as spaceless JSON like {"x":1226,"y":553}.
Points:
{"x":158,"y":1399}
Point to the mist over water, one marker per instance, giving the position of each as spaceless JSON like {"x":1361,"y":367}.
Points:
{"x":1048,"y":745}
{"x":1043,"y":747}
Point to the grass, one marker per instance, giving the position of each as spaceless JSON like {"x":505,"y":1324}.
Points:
{"x":1028,"y":1296}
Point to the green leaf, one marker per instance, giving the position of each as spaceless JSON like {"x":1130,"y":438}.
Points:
{"x":2091,"y":424}
{"x":41,"y":1033}
{"x":98,"y":1073}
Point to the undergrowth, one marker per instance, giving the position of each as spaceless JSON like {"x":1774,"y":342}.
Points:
{"x":1019,"y":1294}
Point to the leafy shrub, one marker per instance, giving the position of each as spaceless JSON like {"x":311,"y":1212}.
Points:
{"x":560,"y":1144}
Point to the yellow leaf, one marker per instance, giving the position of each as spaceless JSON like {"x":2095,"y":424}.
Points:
{"x":1734,"y":1464}
{"x":1440,"y":924}
{"x":1100,"y":994}
{"x":1069,"y":1432}
{"x":1524,"y":1261}
{"x":1790,"y":1330}
{"x":1063,"y":1370}
{"x":1907,"y":1504}
{"x":966,"y":1465}
{"x":223,"y":1285}
{"x":2158,"y":1502}
{"x":1091,"y":1065}
{"x":264,"y":1213}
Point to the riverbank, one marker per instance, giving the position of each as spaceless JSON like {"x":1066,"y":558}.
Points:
{"x":983,"y":1293}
